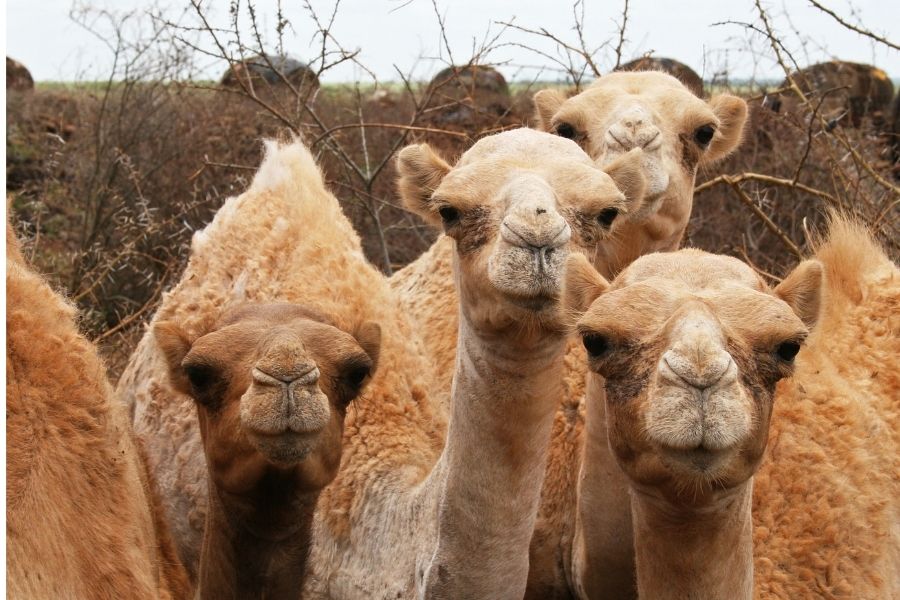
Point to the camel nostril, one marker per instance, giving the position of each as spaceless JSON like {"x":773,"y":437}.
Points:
{"x":541,"y":211}
{"x":700,"y":376}
{"x":307,"y":373}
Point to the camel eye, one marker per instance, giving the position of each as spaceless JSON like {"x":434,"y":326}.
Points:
{"x":449,"y":215}
{"x":607,"y":216}
{"x":356,"y":376}
{"x":565,"y":130}
{"x":786,"y":351}
{"x":595,"y":344}
{"x":201,"y":378}
{"x":704,"y":134}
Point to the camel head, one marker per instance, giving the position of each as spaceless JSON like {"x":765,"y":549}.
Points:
{"x":655,"y":112}
{"x":691,"y":346}
{"x":516,"y":203}
{"x":271,"y":383}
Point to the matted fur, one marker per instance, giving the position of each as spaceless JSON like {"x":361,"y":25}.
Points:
{"x":286,"y":239}
{"x":79,"y":520}
{"x":826,"y":503}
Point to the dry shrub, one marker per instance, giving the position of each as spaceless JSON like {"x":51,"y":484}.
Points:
{"x":107,"y":182}
{"x":792,"y":172}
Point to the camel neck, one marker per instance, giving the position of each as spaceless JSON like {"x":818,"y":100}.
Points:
{"x":603,"y":546}
{"x":503,"y":400}
{"x":694,"y":553}
{"x":256,"y":547}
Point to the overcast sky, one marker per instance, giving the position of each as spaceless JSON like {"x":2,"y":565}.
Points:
{"x":41,"y":34}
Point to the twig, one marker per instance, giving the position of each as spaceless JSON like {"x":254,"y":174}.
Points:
{"x":853,"y":27}
{"x":770,"y":225}
{"x":730,"y":179}
{"x":621,"y":36}
{"x":331,"y":130}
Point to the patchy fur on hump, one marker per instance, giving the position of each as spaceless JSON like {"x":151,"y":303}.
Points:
{"x":826,"y":506}
{"x":79,"y":520}
{"x":287,"y":239}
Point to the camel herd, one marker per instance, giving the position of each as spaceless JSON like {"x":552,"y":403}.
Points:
{"x":553,"y":401}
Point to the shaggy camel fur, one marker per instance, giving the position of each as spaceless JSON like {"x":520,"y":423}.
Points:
{"x":679,"y":332}
{"x":272,"y":383}
{"x":593,"y":558}
{"x":284,"y":240}
{"x":377,"y":525}
{"x":79,"y":510}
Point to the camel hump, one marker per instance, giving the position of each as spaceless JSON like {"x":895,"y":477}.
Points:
{"x":853,"y":259}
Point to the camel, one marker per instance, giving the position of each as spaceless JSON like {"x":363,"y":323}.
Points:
{"x":389,"y":523}
{"x":576,"y":549}
{"x":272,"y":384}
{"x":81,"y":520}
{"x":511,"y":219}
{"x":677,"y":131}
{"x":747,"y":482}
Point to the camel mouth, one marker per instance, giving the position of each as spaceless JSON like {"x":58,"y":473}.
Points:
{"x":526,"y":279}
{"x":700,"y":460}
{"x":537,"y":303}
{"x":286,"y":448}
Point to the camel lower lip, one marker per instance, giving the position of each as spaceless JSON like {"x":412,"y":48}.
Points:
{"x":288,"y":447}
{"x":698,"y":459}
{"x":533,"y":303}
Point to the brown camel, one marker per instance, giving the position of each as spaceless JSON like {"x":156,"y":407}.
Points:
{"x":272,"y":383}
{"x":81,"y":519}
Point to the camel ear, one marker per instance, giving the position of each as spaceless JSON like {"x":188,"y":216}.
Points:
{"x":421,"y":172}
{"x":583,"y":284}
{"x":546,"y":103}
{"x":627,"y":172}
{"x":732,"y":114}
{"x":802,"y":290}
{"x":175,"y":344}
{"x":368,"y":335}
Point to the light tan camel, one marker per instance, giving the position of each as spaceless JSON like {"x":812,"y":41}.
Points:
{"x":691,"y":347}
{"x":80,"y":520}
{"x":272,"y":384}
{"x":581,"y":550}
{"x":677,"y":132}
{"x":385,"y":526}
{"x":511,"y":218}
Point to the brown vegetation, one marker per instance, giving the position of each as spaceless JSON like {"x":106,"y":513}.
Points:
{"x":681,"y":71}
{"x":17,"y":76}
{"x":108,"y":182}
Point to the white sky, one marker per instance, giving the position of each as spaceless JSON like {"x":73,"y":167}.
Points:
{"x":41,"y":34}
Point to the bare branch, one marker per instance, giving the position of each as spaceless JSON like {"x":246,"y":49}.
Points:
{"x":853,"y":27}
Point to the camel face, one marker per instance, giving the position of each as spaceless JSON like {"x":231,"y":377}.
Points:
{"x":691,"y":346}
{"x":515,"y":204}
{"x":676,"y":130}
{"x":271,"y":384}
